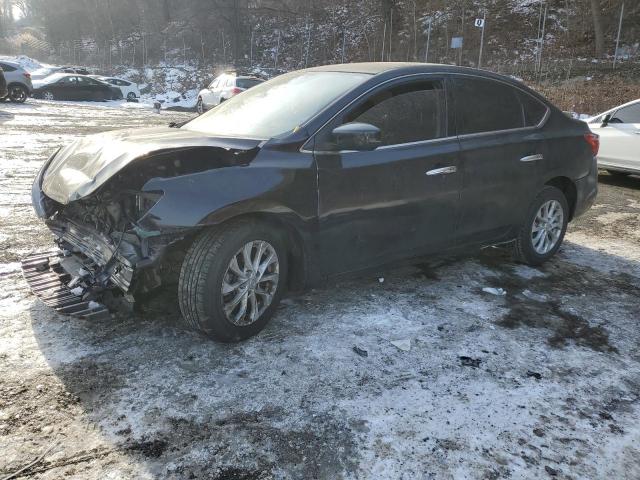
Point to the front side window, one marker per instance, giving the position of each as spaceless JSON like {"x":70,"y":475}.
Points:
{"x":629,"y":114}
{"x":411,"y":112}
{"x":277,"y":107}
{"x":486,"y":106}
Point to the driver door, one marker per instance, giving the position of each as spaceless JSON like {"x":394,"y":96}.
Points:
{"x":400,"y":199}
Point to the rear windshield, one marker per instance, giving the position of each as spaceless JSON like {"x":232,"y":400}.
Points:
{"x":247,"y":82}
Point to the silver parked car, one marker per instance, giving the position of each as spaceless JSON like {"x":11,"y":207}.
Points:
{"x":18,"y":81}
{"x":223,"y":88}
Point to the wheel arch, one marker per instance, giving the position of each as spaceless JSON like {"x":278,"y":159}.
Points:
{"x":568,"y":188}
{"x":297,"y":254}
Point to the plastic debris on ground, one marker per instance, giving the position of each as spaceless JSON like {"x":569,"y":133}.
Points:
{"x":403,"y":344}
{"x":500,"y":292}
{"x":534,"y":296}
{"x":360,"y":351}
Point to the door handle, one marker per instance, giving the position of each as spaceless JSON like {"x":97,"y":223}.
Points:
{"x":442,"y":171}
{"x":532,"y":158}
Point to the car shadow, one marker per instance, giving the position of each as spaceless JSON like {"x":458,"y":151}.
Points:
{"x":5,"y":116}
{"x":158,"y":392}
{"x":629,"y":181}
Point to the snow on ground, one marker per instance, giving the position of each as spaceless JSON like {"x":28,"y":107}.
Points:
{"x":526,"y":385}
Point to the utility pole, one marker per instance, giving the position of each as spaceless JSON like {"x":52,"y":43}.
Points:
{"x":344,"y":40}
{"x":615,"y":57}
{"x":275,"y":66}
{"x":384,"y":37}
{"x":544,"y":23}
{"x":306,"y":53}
{"x":484,"y":23}
{"x":462,"y":35}
{"x":251,"y":49}
{"x":426,"y":54}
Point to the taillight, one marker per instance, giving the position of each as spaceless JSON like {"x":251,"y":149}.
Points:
{"x":594,"y":142}
{"x":235,"y":90}
{"x":27,"y":74}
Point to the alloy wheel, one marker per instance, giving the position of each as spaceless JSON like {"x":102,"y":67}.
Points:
{"x":48,"y":95}
{"x":547,"y":227}
{"x":17,"y":94}
{"x":250,"y":282}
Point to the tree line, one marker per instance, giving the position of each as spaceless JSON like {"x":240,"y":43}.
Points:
{"x":293,"y":33}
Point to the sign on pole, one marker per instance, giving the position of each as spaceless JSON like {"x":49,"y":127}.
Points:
{"x":480,"y":24}
{"x":456,"y":42}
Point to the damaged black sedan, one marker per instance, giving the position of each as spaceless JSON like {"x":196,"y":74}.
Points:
{"x":314,"y":174}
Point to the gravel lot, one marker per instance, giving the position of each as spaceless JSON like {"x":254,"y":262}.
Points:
{"x":528,"y":385}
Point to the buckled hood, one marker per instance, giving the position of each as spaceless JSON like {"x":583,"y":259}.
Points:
{"x":80,"y":168}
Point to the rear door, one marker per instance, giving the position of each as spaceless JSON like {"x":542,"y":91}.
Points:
{"x":399,"y":200}
{"x":620,"y":139}
{"x":501,"y":153}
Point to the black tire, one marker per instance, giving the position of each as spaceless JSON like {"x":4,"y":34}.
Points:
{"x":617,"y":173}
{"x":203,"y":268}
{"x":18,"y":93}
{"x":131,"y":97}
{"x":524,"y":250}
{"x":200,"y":106}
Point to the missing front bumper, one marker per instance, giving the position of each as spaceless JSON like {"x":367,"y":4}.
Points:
{"x":50,"y":282}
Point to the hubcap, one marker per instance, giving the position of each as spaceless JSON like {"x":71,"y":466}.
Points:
{"x":547,"y":227}
{"x":48,"y":96}
{"x":250,"y":282}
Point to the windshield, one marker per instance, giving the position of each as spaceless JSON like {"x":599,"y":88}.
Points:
{"x":278,"y":106}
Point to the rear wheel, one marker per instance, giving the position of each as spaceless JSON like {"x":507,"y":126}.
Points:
{"x":131,"y":97}
{"x":48,"y":95}
{"x":232,"y":279}
{"x":542,"y":233}
{"x":18,"y":93}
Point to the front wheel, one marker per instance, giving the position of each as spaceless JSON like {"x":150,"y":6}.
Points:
{"x":200,"y":106}
{"x":18,"y":94}
{"x":232,"y":279}
{"x":542,"y":233}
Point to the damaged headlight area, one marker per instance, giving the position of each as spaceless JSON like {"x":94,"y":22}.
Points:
{"x":102,"y":245}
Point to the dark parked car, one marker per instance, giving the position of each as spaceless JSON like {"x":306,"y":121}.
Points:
{"x":62,"y":86}
{"x":311,"y":175}
{"x":3,"y":85}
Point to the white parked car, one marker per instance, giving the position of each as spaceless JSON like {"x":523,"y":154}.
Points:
{"x":223,"y":88}
{"x":619,"y":130}
{"x":129,"y":89}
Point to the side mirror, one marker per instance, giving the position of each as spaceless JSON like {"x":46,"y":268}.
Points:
{"x":606,"y":120}
{"x":357,"y":136}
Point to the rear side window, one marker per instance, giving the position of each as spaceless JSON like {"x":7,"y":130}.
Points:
{"x":630,"y":114}
{"x":534,"y":109}
{"x":7,"y":68}
{"x":247,"y":82}
{"x":486,"y":106}
{"x":406,"y":113}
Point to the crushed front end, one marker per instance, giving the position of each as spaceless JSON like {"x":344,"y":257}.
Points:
{"x":122,"y":207}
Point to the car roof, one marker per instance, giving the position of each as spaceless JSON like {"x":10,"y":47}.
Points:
{"x":11,"y":64}
{"x":375,"y":68}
